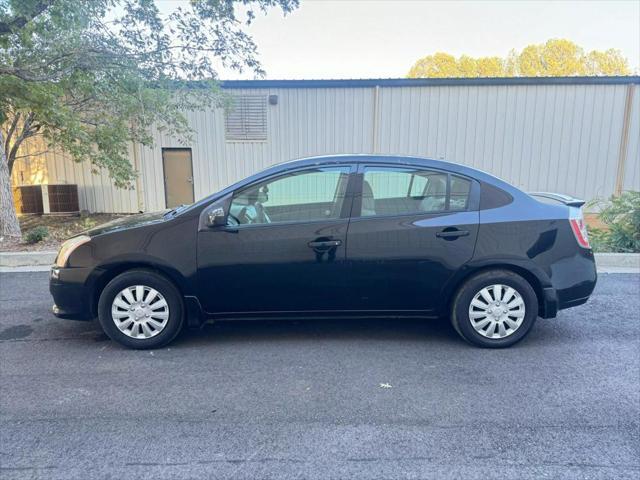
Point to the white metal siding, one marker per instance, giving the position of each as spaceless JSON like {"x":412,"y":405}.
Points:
{"x":562,"y":138}
{"x":304,"y":122}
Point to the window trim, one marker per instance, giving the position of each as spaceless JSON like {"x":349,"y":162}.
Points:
{"x":472,"y":204}
{"x":345,"y":211}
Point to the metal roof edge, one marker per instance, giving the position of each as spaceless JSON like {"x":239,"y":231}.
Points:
{"x":430,"y":82}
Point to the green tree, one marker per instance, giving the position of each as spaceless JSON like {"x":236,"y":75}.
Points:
{"x":555,"y":58}
{"x":90,"y":76}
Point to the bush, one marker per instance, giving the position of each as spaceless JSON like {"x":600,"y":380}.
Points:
{"x":622,"y":217}
{"x":36,"y":235}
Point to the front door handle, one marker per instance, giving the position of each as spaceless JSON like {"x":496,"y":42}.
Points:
{"x":324,"y":244}
{"x":452,"y":233}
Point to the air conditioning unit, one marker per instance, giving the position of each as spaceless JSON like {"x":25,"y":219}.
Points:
{"x":61,"y":199}
{"x":28,"y":199}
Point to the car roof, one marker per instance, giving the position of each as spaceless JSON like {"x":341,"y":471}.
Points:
{"x":380,"y":159}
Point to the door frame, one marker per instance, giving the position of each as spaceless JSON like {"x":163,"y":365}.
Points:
{"x":164,"y":179}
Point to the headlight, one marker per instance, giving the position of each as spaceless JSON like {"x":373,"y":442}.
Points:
{"x":68,"y":247}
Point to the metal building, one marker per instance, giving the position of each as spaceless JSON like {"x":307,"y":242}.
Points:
{"x":571,"y":135}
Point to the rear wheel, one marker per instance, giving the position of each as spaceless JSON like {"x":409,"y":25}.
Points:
{"x":494,"y":309}
{"x":141,"y":309}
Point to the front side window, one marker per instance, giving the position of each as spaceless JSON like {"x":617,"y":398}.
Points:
{"x":402,"y":191}
{"x":302,"y":196}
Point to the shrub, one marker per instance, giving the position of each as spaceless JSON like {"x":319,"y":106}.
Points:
{"x":622,"y":217}
{"x":36,"y":235}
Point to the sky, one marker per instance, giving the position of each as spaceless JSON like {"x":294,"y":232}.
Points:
{"x":383,"y":38}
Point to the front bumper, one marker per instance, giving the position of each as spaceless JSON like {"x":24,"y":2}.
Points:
{"x":72,"y":299}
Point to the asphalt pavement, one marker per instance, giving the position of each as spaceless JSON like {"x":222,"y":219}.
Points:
{"x":357,"y":399}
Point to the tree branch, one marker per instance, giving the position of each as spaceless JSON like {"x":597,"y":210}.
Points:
{"x":26,"y":132}
{"x":12,"y":129}
{"x":21,"y":21}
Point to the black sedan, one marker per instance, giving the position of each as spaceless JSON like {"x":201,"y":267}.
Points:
{"x":348,"y":235}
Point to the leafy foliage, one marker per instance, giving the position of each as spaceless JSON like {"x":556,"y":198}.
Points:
{"x":91,"y":76}
{"x":621,"y":215}
{"x":555,"y":58}
{"x":36,"y":235}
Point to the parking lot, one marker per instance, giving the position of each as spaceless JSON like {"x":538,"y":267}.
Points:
{"x":321,"y":399}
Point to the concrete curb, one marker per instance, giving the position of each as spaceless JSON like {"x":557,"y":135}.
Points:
{"x":618,"y":260}
{"x":27,"y":259}
{"x":46,"y":258}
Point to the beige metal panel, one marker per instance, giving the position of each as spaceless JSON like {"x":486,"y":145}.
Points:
{"x":96,"y":192}
{"x":539,"y":137}
{"x":30,"y":167}
{"x":563,"y":138}
{"x":304,"y":122}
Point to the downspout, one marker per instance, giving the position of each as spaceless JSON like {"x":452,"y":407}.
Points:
{"x":376,"y":118}
{"x":624,"y":141}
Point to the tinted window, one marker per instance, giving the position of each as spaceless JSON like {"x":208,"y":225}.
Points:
{"x":493,"y":197}
{"x":400,"y":191}
{"x":302,"y":196}
{"x":459,"y":195}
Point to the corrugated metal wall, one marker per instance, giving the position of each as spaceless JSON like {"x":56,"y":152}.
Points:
{"x":554,"y":137}
{"x":95,"y":190}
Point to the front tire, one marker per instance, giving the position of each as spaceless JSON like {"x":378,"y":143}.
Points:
{"x":494,"y":309}
{"x":141,"y":309}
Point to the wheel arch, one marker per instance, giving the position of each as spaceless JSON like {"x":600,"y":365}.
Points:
{"x":104,"y":274}
{"x":536,"y":283}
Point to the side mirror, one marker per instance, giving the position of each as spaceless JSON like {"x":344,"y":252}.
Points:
{"x":216,"y":217}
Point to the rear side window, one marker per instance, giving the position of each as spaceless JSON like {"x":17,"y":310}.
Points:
{"x":493,"y":197}
{"x":403,"y":191}
{"x":459,"y":197}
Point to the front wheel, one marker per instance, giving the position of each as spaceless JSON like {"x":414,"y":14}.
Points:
{"x":141,"y":309}
{"x":494,"y":309}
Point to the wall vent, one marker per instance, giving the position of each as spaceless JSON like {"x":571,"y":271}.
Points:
{"x":246,"y":120}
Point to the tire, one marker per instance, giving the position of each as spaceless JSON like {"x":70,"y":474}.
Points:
{"x":510,"y":318}
{"x":142,"y":325}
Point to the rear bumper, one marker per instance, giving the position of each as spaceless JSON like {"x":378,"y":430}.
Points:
{"x":575,"y":280}
{"x":72,"y":300}
{"x":549,"y":303}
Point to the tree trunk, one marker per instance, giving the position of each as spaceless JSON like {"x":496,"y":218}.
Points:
{"x":9,"y":225}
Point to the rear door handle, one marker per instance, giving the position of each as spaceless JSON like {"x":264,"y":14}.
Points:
{"x":324,"y":244}
{"x":452,"y":233}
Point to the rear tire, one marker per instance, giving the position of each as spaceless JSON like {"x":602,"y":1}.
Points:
{"x":494,"y":309}
{"x":141,"y":309}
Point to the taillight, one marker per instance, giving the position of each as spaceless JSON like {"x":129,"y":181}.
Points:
{"x":579,"y":227}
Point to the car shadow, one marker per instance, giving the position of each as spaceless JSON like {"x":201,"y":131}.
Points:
{"x":313,"y":330}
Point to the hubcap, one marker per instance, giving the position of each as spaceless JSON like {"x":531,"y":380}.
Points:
{"x":497,"y":311}
{"x":140,"y":312}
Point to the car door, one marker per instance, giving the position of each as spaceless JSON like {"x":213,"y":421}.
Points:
{"x":412,"y":229}
{"x":282,"y":248}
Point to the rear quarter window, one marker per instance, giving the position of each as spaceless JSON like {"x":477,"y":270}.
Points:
{"x":493,"y":197}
